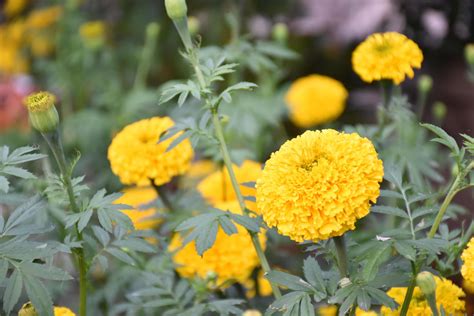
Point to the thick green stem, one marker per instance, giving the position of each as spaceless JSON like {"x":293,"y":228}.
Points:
{"x":54,"y":142}
{"x":341,"y":255}
{"x":146,"y":56}
{"x":453,"y":190}
{"x":431,"y":299}
{"x":240,"y":198}
{"x":410,"y":290}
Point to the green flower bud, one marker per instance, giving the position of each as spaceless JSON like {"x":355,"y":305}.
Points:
{"x":425,"y":83}
{"x":426,"y":282}
{"x":469,"y":54}
{"x":42,"y":112}
{"x":193,"y":25}
{"x":152,"y":29}
{"x":280,"y":32}
{"x":439,"y":110}
{"x":176,"y":9}
{"x":27,"y":310}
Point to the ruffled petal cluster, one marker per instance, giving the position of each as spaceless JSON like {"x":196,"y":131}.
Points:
{"x":390,"y":56}
{"x":217,"y":187}
{"x":142,"y":216}
{"x":447,"y":294}
{"x":315,"y":99}
{"x":317,"y":185}
{"x":63,"y":311}
{"x":136,"y":157}
{"x":467,"y":257}
{"x":232,"y":258}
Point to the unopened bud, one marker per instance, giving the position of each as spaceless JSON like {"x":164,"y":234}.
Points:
{"x":280,"y":32}
{"x":426,"y":282}
{"x":152,"y":29}
{"x":224,"y":119}
{"x":252,"y":312}
{"x":469,"y":54}
{"x":27,"y":310}
{"x":176,"y":9}
{"x":439,"y":110}
{"x":425,"y":83}
{"x":42,"y":112}
{"x":193,"y":25}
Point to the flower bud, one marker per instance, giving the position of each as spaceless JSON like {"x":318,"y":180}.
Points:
{"x":176,"y":9}
{"x":252,"y":312}
{"x":152,"y":30}
{"x":469,"y":54}
{"x":42,"y":112}
{"x":425,"y":83}
{"x":426,"y":282}
{"x":27,"y":310}
{"x":193,"y":25}
{"x":439,"y":110}
{"x":280,"y":32}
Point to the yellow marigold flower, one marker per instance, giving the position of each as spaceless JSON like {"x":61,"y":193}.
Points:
{"x":137,"y":197}
{"x":93,"y":33}
{"x":252,"y":312}
{"x":331,"y":310}
{"x":42,"y":112}
{"x":63,"y":311}
{"x":319,"y":184}
{"x":232,"y":258}
{"x":14,"y":7}
{"x":41,"y":45}
{"x":43,"y":18}
{"x":447,"y":294}
{"x":12,"y":58}
{"x":201,"y":168}
{"x":361,"y":312}
{"x":467,"y":257}
{"x":40,"y":101}
{"x":136,"y":157}
{"x":217,"y":187}
{"x":390,"y":56}
{"x":315,"y":99}
{"x":468,"y":286}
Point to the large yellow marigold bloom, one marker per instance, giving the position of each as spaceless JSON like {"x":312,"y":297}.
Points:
{"x":390,"y":56}
{"x":136,"y":157}
{"x":137,"y":197}
{"x":467,"y":257}
{"x":217,"y":187}
{"x":447,"y":294}
{"x":63,"y":311}
{"x":315,"y":99}
{"x":319,"y":184}
{"x":232,"y":258}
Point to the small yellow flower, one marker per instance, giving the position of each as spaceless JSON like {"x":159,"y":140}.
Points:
{"x":331,"y":310}
{"x":252,"y":312}
{"x":315,"y":99}
{"x":63,"y":311}
{"x":42,"y":112}
{"x":137,"y":198}
{"x":447,"y":294}
{"x":217,"y":187}
{"x":41,"y":45}
{"x":317,"y":185}
{"x":390,"y":56}
{"x":93,"y":33}
{"x":40,"y":101}
{"x":467,"y":256}
{"x":136,"y":157}
{"x":232,"y":258}
{"x":12,"y":56}
{"x":43,"y":18}
{"x":14,"y":7}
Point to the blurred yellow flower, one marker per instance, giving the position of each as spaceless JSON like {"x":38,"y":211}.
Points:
{"x":217,"y":187}
{"x":232,"y":258}
{"x":252,"y":312}
{"x":29,"y":310}
{"x":331,"y":310}
{"x":14,"y":7}
{"x":138,"y":197}
{"x":467,"y":257}
{"x":41,"y":45}
{"x":264,"y":286}
{"x":93,"y":33}
{"x":315,"y":99}
{"x":63,"y":311}
{"x":390,"y":56}
{"x":43,"y":18}
{"x":13,"y":59}
{"x":317,"y":185}
{"x":447,"y":294}
{"x":136,"y":157}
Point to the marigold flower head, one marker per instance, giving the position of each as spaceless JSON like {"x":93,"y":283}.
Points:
{"x":217,"y":187}
{"x":63,"y":311}
{"x":252,"y":312}
{"x":331,"y":310}
{"x":29,"y":310}
{"x":447,"y":294}
{"x":42,"y":112}
{"x":232,"y":258}
{"x":139,"y":197}
{"x":14,"y":7}
{"x":315,"y":99}
{"x":317,"y":185}
{"x":390,"y":56}
{"x":467,"y":257}
{"x":136,"y":157}
{"x":93,"y":33}
{"x":43,"y":18}
{"x":468,"y":286}
{"x":40,"y":101}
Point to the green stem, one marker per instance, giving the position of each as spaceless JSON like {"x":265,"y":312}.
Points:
{"x":453,"y":190}
{"x":432,"y":303}
{"x":146,"y":57}
{"x":54,"y":142}
{"x":341,"y":255}
{"x":410,"y":290}
{"x":240,"y":198}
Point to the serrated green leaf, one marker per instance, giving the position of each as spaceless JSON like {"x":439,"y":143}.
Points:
{"x":374,"y":261}
{"x":405,"y":249}
{"x":121,"y":255}
{"x":227,"y":225}
{"x":18,"y":172}
{"x":84,"y":220}
{"x":206,"y":237}
{"x":314,"y":275}
{"x":39,"y":295}
{"x":13,"y":291}
{"x":389,"y":210}
{"x":246,"y":221}
{"x":44,"y":272}
{"x":290,"y":281}
{"x":4,"y":184}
